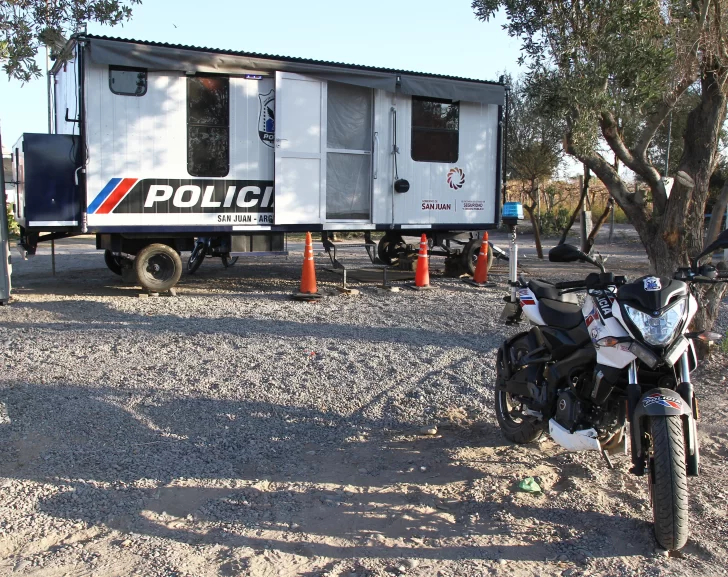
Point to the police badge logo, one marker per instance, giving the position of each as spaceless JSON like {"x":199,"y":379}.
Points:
{"x":652,"y":283}
{"x":267,"y":117}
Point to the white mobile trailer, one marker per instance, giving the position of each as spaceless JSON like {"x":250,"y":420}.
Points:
{"x":157,"y":144}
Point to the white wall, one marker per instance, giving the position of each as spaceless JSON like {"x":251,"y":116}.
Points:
{"x":478,"y":137}
{"x":66,"y":97}
{"x":146,"y":136}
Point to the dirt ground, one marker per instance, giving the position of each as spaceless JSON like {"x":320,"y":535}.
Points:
{"x":229,"y":431}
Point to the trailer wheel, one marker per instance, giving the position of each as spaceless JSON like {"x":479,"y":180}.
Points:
{"x":113,"y":261}
{"x":470,"y":255}
{"x":196,"y":257}
{"x":158,"y":267}
{"x":228,"y":261}
{"x":388,"y":249}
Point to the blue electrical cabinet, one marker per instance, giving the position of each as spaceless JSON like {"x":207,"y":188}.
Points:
{"x":49,"y":198}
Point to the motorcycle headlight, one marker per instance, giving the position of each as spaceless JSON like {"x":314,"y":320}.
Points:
{"x":660,"y":330}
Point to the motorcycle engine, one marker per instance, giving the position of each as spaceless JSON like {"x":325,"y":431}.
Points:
{"x":568,"y":410}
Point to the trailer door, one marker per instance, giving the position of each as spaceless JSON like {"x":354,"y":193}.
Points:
{"x":299,"y":162}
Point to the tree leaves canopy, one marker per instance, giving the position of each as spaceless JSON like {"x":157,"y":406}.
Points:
{"x":534,"y":139}
{"x":628,"y":57}
{"x":26,"y":25}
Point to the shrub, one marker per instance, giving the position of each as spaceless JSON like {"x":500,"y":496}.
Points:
{"x":553,"y":222}
{"x":13,"y":227}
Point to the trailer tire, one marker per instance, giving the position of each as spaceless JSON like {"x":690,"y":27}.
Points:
{"x":387,"y":249}
{"x":228,"y":261}
{"x":158,"y":267}
{"x":196,"y":257}
{"x":113,"y":261}
{"x":470,"y":255}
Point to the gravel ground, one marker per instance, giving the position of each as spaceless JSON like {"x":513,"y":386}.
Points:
{"x":231,"y":431}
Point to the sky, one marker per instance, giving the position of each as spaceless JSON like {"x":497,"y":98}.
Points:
{"x":440,"y":37}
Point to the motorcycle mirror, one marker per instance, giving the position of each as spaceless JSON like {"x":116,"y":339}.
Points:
{"x":717,"y":244}
{"x":566,"y":253}
{"x":708,"y":271}
{"x":569,"y":253}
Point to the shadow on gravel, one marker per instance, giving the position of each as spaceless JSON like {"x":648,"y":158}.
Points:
{"x":86,"y":274}
{"x":244,"y":474}
{"x":106,"y":318}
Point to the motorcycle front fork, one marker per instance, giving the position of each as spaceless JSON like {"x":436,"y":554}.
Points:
{"x":685,"y":390}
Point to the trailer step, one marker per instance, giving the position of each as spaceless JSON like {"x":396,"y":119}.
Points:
{"x":369,"y":245}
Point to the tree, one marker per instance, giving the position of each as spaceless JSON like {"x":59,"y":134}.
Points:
{"x":25,"y":25}
{"x":534,"y":148}
{"x":614,"y":70}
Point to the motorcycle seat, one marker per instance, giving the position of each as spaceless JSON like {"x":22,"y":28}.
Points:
{"x":545,"y":290}
{"x":560,"y":314}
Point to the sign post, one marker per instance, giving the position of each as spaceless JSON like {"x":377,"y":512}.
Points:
{"x":5,"y":265}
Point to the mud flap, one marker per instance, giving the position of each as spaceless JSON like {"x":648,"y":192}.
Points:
{"x":661,"y":403}
{"x":511,"y":312}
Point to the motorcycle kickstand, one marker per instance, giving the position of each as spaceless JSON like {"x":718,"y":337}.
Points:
{"x":610,"y":465}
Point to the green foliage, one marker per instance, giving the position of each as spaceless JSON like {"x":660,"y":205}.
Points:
{"x":586,"y":57}
{"x":723,"y":344}
{"x":26,"y":25}
{"x":13,"y":227}
{"x":554,"y":221}
{"x":534,"y":138}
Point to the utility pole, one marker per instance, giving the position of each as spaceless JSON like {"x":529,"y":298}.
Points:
{"x":50,"y":131}
{"x":667,"y":148}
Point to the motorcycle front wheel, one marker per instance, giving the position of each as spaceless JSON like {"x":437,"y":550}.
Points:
{"x":668,"y":482}
{"x":196,"y":257}
{"x":515,"y":425}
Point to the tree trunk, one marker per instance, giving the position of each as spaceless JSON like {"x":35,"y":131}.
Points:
{"x":672,"y":238}
{"x":582,"y":197}
{"x":716,"y":219}
{"x":536,"y":231}
{"x":673,"y":232}
{"x":602,"y":219}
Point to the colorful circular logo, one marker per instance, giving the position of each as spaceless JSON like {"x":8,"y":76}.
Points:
{"x":455,"y":178}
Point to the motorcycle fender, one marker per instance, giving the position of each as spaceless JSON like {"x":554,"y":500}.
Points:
{"x":662,"y":403}
{"x":529,"y":304}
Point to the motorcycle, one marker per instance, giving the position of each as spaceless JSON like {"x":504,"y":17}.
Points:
{"x":625,"y":356}
{"x":209,"y":246}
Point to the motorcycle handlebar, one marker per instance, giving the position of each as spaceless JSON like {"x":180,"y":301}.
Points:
{"x":594,"y":281}
{"x":571,"y":284}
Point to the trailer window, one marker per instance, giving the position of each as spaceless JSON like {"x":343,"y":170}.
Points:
{"x":435,"y":125}
{"x":127,"y":81}
{"x":208,"y":125}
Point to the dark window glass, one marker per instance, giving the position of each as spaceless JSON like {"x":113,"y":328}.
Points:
{"x":208,"y":120}
{"x":435,"y":126}
{"x":128,"y":81}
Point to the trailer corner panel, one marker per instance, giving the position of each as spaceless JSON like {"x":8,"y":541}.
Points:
{"x":48,"y":194}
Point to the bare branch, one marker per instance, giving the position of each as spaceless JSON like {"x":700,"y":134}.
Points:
{"x":655,"y":119}
{"x":611,"y":179}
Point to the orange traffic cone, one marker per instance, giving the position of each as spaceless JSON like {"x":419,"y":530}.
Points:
{"x":480,"y":278}
{"x":307,"y":291}
{"x":422,"y":275}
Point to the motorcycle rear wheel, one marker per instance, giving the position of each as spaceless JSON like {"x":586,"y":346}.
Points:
{"x":668,"y":482}
{"x":516,"y":427}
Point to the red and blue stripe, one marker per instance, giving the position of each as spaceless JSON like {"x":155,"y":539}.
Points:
{"x":111,"y":195}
